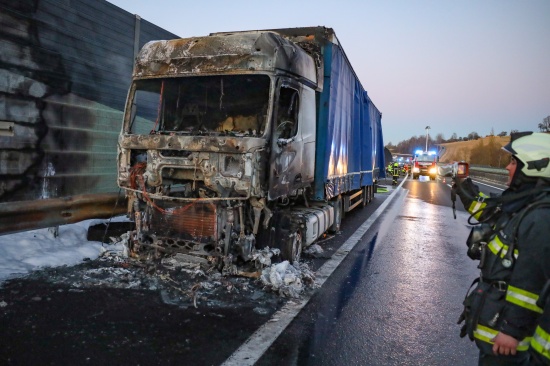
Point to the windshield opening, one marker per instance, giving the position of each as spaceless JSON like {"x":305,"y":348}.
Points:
{"x":425,"y":157}
{"x":204,"y":105}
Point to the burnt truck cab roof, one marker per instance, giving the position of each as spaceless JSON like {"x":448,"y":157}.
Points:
{"x":238,"y":63}
{"x":240,"y":52}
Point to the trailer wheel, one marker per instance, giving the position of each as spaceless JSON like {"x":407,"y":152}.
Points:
{"x":292,"y":249}
{"x":338,"y":214}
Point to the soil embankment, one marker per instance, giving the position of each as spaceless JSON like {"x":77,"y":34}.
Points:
{"x":460,"y":150}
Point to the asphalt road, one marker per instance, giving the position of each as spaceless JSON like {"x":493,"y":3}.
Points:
{"x":396,"y":299}
{"x":393,"y":300}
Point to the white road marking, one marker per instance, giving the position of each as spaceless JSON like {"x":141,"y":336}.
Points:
{"x":255,"y":346}
{"x":480,"y":182}
{"x":485,"y":184}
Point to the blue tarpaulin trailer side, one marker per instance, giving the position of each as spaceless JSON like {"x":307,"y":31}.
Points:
{"x":377,"y":142}
{"x":349,"y":150}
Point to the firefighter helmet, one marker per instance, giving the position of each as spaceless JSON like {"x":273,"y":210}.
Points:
{"x":533,"y":150}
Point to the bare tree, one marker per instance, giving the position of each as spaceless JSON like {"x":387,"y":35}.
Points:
{"x":545,"y":125}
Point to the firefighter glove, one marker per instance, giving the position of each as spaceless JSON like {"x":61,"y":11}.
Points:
{"x":466,"y":190}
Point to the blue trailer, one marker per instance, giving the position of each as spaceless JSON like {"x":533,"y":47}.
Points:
{"x":239,"y":140}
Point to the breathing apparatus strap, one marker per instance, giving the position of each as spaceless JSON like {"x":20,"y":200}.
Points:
{"x":516,"y":220}
{"x":499,"y":200}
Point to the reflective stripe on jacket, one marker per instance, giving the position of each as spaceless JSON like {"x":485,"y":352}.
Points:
{"x":540,"y":343}
{"x":485,"y":334}
{"x":477,"y":205}
{"x":525,"y":299}
{"x":498,"y":248}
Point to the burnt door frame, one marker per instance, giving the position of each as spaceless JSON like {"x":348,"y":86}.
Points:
{"x":285,"y":163}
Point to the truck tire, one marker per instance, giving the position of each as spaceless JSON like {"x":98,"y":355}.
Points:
{"x":292,"y":248}
{"x":338,"y":205}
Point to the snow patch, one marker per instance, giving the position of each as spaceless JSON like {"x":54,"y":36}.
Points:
{"x":23,"y":252}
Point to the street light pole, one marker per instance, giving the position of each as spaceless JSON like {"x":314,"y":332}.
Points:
{"x":427,"y":134}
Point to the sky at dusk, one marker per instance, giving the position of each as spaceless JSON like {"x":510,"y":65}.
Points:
{"x":457,"y":66}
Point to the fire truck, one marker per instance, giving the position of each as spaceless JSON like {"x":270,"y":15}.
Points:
{"x":424,"y":163}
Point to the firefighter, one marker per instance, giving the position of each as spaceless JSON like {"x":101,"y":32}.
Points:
{"x":389,"y":169}
{"x":395,"y":173}
{"x":511,"y":243}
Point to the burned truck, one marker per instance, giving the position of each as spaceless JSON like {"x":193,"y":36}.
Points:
{"x":238,"y":141}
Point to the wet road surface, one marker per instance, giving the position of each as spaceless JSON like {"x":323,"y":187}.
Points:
{"x":396,"y":299}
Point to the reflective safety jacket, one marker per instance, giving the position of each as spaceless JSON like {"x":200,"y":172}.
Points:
{"x":514,"y":268}
{"x":478,"y":205}
{"x":540,"y":343}
{"x":395,"y":171}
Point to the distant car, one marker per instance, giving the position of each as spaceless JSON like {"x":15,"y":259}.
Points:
{"x":425,"y":163}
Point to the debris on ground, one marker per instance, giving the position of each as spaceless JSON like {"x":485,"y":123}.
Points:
{"x":288,"y":280}
{"x":186,"y":263}
{"x":186,"y":280}
{"x":118,"y":248}
{"x":262,"y":257}
{"x":314,"y":250}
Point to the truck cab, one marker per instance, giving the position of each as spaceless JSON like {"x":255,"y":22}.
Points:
{"x":424,"y":163}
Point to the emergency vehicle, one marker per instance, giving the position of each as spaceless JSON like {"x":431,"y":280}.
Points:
{"x":424,"y":163}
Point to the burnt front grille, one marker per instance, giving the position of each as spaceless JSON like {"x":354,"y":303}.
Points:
{"x":194,"y":221}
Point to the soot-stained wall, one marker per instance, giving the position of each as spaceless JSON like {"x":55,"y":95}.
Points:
{"x":65,"y":69}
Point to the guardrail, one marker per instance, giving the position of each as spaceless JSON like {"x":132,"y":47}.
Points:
{"x":29,"y":215}
{"x":490,"y":174}
{"x":498,"y":175}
